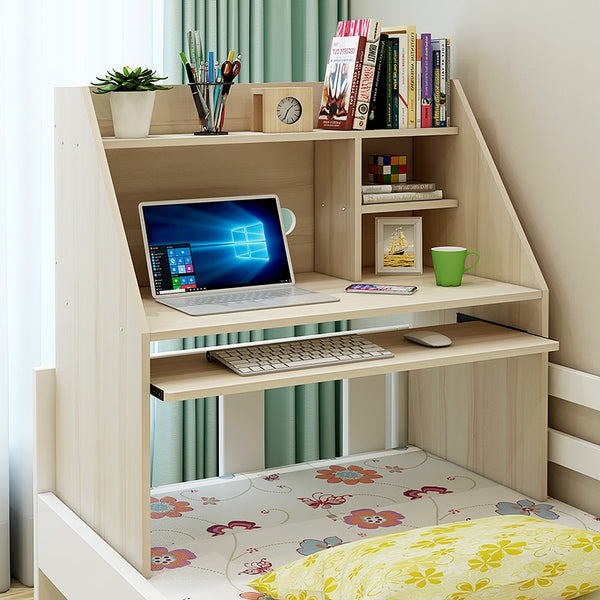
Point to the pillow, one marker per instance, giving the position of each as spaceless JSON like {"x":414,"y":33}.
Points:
{"x":502,"y":557}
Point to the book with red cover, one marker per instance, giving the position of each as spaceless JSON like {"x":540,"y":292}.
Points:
{"x":342,"y":80}
{"x":370,"y":29}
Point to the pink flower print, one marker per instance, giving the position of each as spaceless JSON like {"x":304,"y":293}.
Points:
{"x":350,"y":475}
{"x":168,"y":507}
{"x":161,"y":558}
{"x":367,"y":518}
{"x":426,"y":489}
{"x":221,"y":529}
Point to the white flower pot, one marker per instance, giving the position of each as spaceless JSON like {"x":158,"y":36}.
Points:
{"x":131,"y":113}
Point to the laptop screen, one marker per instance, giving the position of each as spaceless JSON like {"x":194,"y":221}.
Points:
{"x":214,"y":244}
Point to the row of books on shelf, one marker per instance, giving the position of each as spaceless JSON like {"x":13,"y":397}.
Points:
{"x":379,"y":78}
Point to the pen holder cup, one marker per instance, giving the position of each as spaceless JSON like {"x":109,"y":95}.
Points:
{"x":210,"y":99}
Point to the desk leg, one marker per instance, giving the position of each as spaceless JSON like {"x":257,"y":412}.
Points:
{"x":241,"y":432}
{"x":373,"y":413}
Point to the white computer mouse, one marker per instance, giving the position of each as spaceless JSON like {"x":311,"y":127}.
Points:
{"x":425,"y":337}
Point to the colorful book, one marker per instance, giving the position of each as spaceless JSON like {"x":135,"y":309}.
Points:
{"x":435,"y":85}
{"x":376,"y":119}
{"x":411,"y":66}
{"x":426,"y":80}
{"x":447,"y":83}
{"x":396,"y":104}
{"x":371,"y":30}
{"x":401,"y":197}
{"x":418,"y":94}
{"x":408,"y":77}
{"x":389,"y":83}
{"x":440,"y":81}
{"x":406,"y":186}
{"x":400,"y":41}
{"x":342,"y":78}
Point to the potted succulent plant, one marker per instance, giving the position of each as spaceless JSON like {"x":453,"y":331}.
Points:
{"x":133,"y":99}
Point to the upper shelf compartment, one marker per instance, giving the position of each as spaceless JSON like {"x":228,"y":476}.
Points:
{"x":174,"y":121}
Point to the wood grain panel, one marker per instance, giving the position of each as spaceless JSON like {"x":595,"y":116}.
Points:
{"x":284,"y":169}
{"x":337,"y":222}
{"x":175,"y":112}
{"x":485,"y":219}
{"x":102,"y":413}
{"x":480,"y":416}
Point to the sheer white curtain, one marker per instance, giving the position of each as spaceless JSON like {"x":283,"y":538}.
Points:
{"x":42,"y":45}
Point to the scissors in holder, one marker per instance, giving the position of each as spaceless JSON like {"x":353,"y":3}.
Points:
{"x":229,"y":71}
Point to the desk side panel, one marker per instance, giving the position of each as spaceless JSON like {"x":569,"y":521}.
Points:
{"x":102,"y":362}
{"x":490,"y":417}
{"x":485,"y":219}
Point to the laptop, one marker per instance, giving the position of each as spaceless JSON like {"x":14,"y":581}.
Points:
{"x":216,"y":255}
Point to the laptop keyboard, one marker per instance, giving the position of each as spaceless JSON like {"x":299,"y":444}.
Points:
{"x":298,"y":354}
{"x":233,"y":298}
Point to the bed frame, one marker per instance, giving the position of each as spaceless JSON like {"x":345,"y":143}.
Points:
{"x":82,"y":556}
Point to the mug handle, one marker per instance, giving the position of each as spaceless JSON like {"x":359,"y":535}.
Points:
{"x":476,"y":260}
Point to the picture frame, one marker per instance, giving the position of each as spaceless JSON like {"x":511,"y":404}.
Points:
{"x":398,"y":245}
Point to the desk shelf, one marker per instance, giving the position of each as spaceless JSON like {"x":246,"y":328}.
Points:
{"x":166,"y":323}
{"x":191,"y":376}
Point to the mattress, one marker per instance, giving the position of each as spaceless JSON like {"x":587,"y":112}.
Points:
{"x":211,"y":537}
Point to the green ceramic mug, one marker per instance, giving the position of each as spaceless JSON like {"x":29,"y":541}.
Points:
{"x":449,"y":264}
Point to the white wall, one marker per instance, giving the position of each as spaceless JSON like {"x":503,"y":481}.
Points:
{"x":530,"y":71}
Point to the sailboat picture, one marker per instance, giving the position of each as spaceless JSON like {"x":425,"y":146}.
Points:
{"x":398,"y":245}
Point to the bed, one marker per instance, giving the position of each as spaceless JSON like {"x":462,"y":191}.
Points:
{"x":222,"y":533}
{"x":211,"y":538}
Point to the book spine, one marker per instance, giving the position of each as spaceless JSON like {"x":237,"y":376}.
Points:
{"x":402,"y":80}
{"x":448,"y":77}
{"x":411,"y":75}
{"x":375,"y":120}
{"x":401,"y":197}
{"x":388,"y":188}
{"x":389,"y":86}
{"x":367,"y":78}
{"x":443,"y":82}
{"x":426,"y":80}
{"x":418,"y":72}
{"x":342,"y":79}
{"x":395,"y":82}
{"x":435,"y":54}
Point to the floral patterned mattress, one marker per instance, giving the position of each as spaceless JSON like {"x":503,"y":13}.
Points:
{"x":209,"y":538}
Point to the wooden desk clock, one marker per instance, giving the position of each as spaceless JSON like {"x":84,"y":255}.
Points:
{"x":282,"y":109}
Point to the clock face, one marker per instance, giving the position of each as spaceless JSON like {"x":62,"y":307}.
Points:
{"x":289,"y":110}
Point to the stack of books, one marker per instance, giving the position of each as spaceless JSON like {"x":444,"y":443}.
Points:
{"x":390,"y":77}
{"x":408,"y":191}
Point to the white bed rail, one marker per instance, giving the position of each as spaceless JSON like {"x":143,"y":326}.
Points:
{"x":566,"y":450}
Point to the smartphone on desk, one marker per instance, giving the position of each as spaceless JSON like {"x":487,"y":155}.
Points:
{"x":371,"y":288}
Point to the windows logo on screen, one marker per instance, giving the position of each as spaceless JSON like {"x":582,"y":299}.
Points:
{"x":250,"y":242}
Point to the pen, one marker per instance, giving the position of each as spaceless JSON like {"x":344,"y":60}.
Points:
{"x":198,"y":99}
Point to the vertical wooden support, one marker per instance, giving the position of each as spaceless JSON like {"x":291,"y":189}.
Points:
{"x":241,"y":432}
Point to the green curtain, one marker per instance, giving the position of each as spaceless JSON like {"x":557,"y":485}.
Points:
{"x":279,"y":40}
{"x":301,"y":423}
